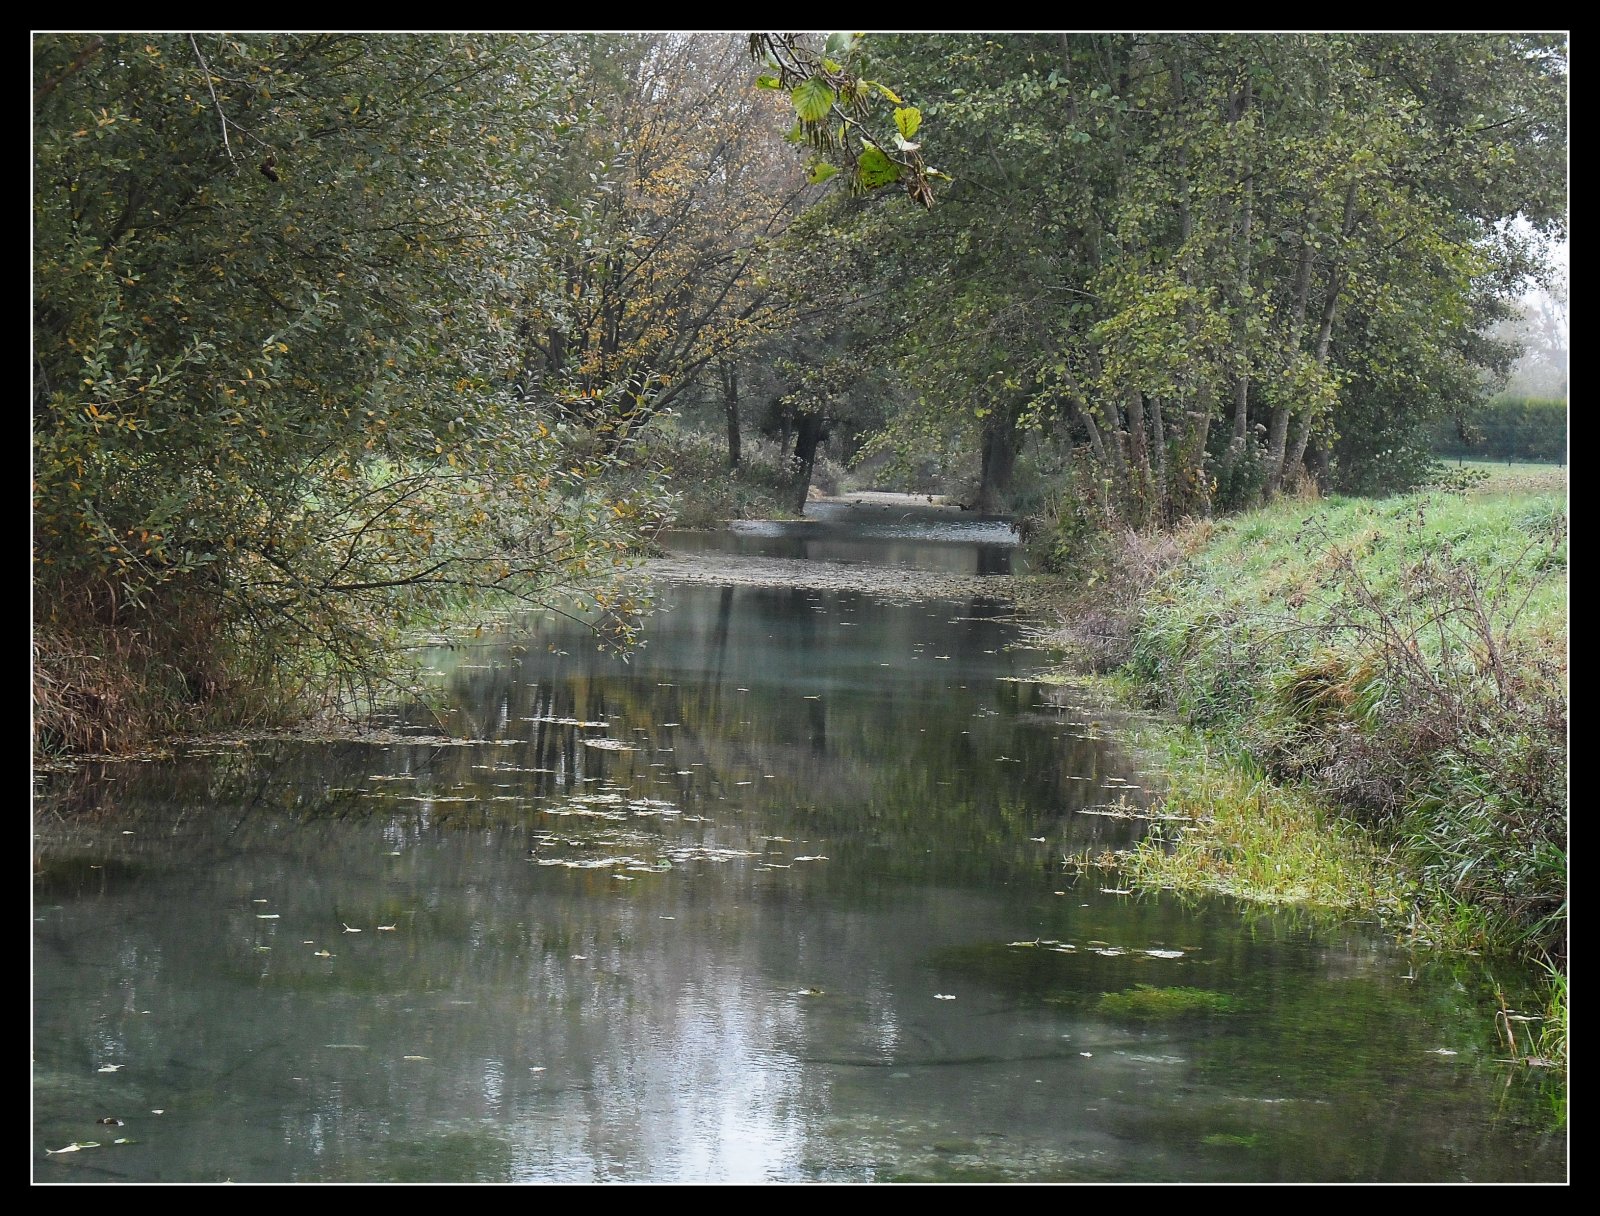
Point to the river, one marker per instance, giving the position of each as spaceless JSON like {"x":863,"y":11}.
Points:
{"x":785,"y":897}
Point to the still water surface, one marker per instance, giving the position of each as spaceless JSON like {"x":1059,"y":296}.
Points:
{"x":783,"y":898}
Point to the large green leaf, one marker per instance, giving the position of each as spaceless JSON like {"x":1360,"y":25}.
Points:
{"x":812,"y":99}
{"x":874,"y":169}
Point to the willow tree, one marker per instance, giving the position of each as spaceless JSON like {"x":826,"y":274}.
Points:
{"x":274,"y":420}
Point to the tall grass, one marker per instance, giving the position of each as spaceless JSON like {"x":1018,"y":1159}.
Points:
{"x":1407,"y":659}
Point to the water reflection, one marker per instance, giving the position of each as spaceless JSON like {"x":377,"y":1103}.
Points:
{"x":783,"y":898}
{"x":912,"y":535}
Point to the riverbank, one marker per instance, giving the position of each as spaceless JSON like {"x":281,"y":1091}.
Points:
{"x":1372,"y":698}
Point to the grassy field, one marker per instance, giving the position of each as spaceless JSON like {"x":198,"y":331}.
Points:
{"x":1518,"y":478}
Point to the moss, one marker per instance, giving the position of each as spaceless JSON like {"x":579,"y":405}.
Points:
{"x":1149,"y":1004}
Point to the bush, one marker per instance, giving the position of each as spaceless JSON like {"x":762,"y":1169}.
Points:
{"x":707,"y":492}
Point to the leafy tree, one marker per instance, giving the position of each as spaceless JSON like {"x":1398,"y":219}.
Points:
{"x":275,"y":418}
{"x":1210,"y":259}
{"x":665,"y":221}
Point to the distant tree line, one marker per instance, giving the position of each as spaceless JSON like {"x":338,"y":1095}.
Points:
{"x":1507,"y":428}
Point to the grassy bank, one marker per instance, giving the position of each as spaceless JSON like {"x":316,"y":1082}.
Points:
{"x":1376,"y":701}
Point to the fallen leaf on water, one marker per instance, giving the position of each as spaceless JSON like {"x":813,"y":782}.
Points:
{"x":413,"y":1057}
{"x":267,"y":916}
{"x":348,"y":929}
{"x":1441,"y":1051}
{"x":944,"y":996}
{"x":536,"y":1068}
{"x":322,"y":954}
{"x":111,"y":1068}
{"x":110,"y":1121}
{"x":387,"y":928}
{"x":74,"y":1147}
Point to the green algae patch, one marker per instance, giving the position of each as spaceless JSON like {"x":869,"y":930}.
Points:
{"x":1151,"y":1004}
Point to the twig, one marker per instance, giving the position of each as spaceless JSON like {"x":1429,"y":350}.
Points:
{"x":223,"y":118}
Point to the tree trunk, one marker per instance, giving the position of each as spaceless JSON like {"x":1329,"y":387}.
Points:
{"x":1139,"y":457}
{"x":999,"y":461}
{"x":1278,"y":431}
{"x":1241,"y":286}
{"x":1330,"y":312}
{"x":729,"y":373}
{"x":1158,"y":440}
{"x":811,"y":430}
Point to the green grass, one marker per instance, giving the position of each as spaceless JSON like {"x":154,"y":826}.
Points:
{"x":1404,"y":660}
{"x":1229,"y":829}
{"x":1519,"y":477}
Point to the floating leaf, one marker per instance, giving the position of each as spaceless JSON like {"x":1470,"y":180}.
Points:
{"x":944,"y":996}
{"x":111,"y":1067}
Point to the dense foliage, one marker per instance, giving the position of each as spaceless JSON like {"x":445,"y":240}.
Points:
{"x":275,"y":408}
{"x":1196,"y":264}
